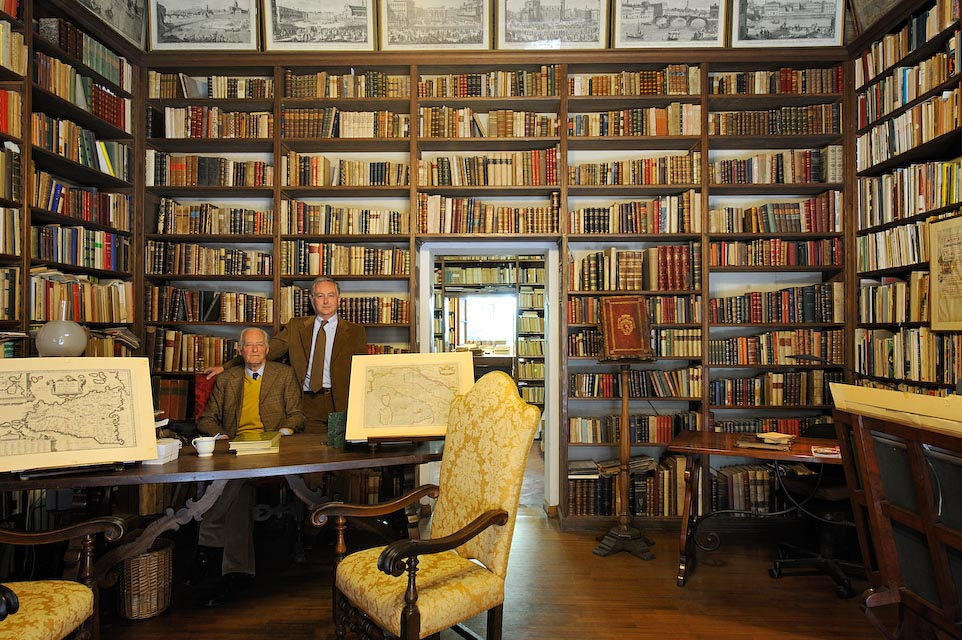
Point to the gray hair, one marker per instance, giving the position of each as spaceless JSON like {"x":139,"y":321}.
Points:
{"x":320,"y":279}
{"x":240,"y":339}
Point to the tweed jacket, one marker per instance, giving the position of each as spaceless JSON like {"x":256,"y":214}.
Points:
{"x":280,"y":401}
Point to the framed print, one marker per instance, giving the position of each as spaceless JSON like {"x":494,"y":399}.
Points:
{"x":319,"y":25}
{"x":68,"y":412}
{"x":405,"y":396}
{"x":126,"y":17}
{"x":552,"y":24}
{"x":945,"y":261}
{"x":213,"y":24}
{"x":867,"y":12}
{"x":674,"y":23}
{"x":435,"y":24}
{"x":785,"y":23}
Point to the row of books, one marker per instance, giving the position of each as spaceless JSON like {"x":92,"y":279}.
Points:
{"x":374,"y":309}
{"x":10,"y":231}
{"x":499,"y":168}
{"x":178,"y":258}
{"x":460,"y":215}
{"x":807,"y":120}
{"x":674,"y":79}
{"x":796,"y":426}
{"x":302,"y":218}
{"x":378,"y":173}
{"x":542,"y":82}
{"x":531,"y":275}
{"x":919,"y":124}
{"x":323,"y":84}
{"x":175,"y":351}
{"x":508,"y":123}
{"x":894,"y":300}
{"x":894,"y":46}
{"x":11,"y":182}
{"x":531,"y":370}
{"x":661,"y":309}
{"x":686,"y":343}
{"x":681,"y":169}
{"x":820,"y":214}
{"x":179,"y":85}
{"x":80,"y":46}
{"x":52,"y":194}
{"x":81,"y":247}
{"x":174,"y":304}
{"x":910,"y":353}
{"x":173,"y":396}
{"x":777,"y":81}
{"x":676,"y":119}
{"x":908,"y":191}
{"x":822,"y":302}
{"x":658,"y":491}
{"x":778,"y":347}
{"x":66,"y":82}
{"x":204,"y":122}
{"x":532,"y":394}
{"x":495,"y":274}
{"x":789,"y":166}
{"x":332,"y":122}
{"x":530,"y":347}
{"x":903,"y":246}
{"x":663,"y":214}
{"x":210,"y":219}
{"x":9,"y":293}
{"x":186,"y":170}
{"x":530,"y":322}
{"x":649,"y":383}
{"x":11,"y":113}
{"x":71,"y":141}
{"x":13,"y":50}
{"x":775,"y":252}
{"x":906,"y":84}
{"x":302,"y":257}
{"x":642,"y":429}
{"x":670,"y":267}
{"x":109,"y":343}
{"x":776,"y":389}
{"x":88,"y":298}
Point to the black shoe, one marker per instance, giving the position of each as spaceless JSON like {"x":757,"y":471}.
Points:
{"x":205,"y":560}
{"x":229,"y":586}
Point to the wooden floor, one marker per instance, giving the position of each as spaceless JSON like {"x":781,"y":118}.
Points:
{"x":556,"y":588}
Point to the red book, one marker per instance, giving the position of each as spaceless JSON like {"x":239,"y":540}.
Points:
{"x":625,"y":328}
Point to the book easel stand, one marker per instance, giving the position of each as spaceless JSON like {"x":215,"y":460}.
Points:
{"x":623,"y":536}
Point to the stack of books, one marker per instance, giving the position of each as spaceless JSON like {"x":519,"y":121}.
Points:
{"x":266,"y":442}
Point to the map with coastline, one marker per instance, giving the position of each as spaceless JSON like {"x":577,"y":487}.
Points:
{"x":61,"y":411}
{"x":409,"y":395}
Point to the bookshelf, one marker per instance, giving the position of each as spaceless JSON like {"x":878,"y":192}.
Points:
{"x":13,"y":54}
{"x":908,"y":138}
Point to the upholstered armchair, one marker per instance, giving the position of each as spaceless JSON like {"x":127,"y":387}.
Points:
{"x":416,"y":588}
{"x":55,"y":609}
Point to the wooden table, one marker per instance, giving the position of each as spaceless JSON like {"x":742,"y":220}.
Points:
{"x":695,"y":446}
{"x":299,"y":454}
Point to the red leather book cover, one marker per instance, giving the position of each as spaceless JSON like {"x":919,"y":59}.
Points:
{"x":625,"y":327}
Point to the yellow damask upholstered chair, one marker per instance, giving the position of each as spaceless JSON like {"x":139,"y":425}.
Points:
{"x":417,"y":588}
{"x":55,"y":609}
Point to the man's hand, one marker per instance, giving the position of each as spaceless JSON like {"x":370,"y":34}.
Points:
{"x":285,"y":431}
{"x":210,"y":372}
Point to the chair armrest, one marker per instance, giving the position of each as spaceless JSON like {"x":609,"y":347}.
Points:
{"x":321,"y":514}
{"x":391,"y":560}
{"x":112,"y":528}
{"x":9,"y":603}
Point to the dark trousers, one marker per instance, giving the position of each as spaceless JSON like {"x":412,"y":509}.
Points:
{"x":229,"y":525}
{"x":316,"y":406}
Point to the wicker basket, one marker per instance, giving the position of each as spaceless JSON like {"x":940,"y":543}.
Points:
{"x":145,"y":582}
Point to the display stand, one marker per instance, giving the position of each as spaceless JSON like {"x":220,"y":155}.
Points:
{"x":623,"y":536}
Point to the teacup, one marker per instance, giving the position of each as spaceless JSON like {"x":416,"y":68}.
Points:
{"x":204,"y":445}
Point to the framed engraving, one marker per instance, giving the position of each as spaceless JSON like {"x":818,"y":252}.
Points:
{"x":126,"y":17}
{"x":677,"y":23}
{"x":757,"y":23}
{"x":319,"y":25}
{"x":552,"y":24}
{"x":68,"y":412}
{"x":435,"y":24}
{"x":945,"y":261}
{"x":213,"y":24}
{"x":405,"y":396}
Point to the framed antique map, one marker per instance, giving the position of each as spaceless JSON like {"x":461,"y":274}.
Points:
{"x":405,"y":396}
{"x":67,"y":412}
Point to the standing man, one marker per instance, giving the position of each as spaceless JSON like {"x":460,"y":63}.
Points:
{"x":246,"y":401}
{"x":319,"y":348}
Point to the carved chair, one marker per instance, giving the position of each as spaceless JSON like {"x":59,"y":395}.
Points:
{"x":416,"y":588}
{"x":55,"y":609}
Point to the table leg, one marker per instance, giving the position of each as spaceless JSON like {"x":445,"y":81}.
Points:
{"x":689,"y":518}
{"x":105,"y":569}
